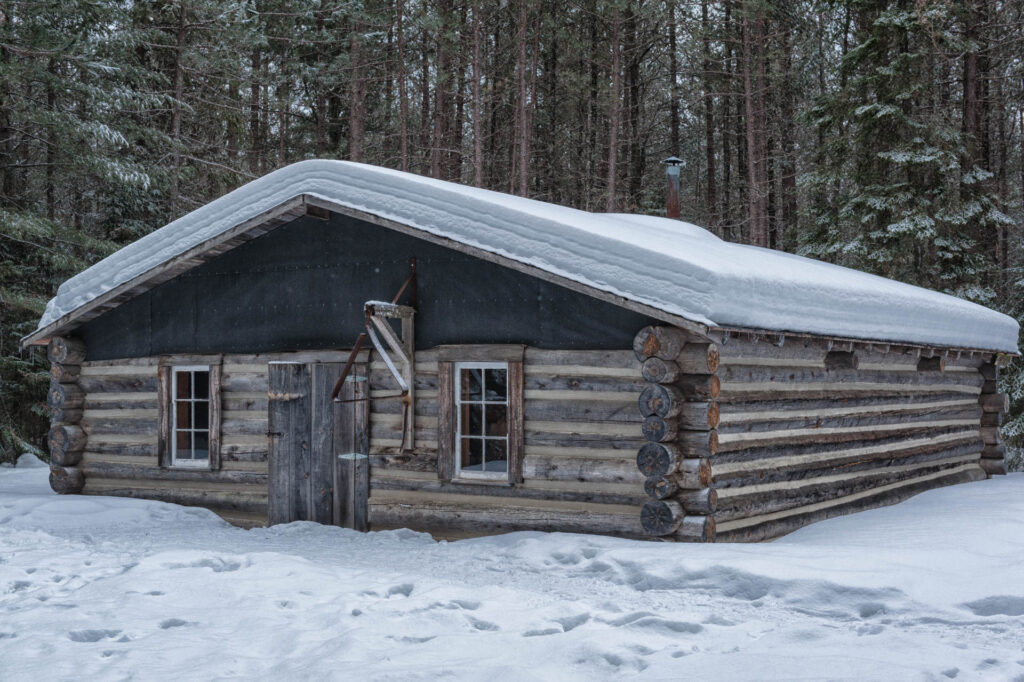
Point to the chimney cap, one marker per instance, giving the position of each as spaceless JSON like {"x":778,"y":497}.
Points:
{"x":673,"y":161}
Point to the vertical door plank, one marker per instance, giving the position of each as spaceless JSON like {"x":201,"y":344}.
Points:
{"x":288,"y":417}
{"x":322,"y":451}
{"x":352,"y":445}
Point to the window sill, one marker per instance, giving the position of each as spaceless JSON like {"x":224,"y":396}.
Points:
{"x":183,"y":465}
{"x":499,"y":480}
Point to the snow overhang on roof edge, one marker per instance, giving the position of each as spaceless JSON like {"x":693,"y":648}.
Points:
{"x":667,"y":265}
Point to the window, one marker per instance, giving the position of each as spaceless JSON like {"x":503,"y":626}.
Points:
{"x":480,"y":435}
{"x":188,"y":410}
{"x":190,"y":442}
{"x":482,"y":431}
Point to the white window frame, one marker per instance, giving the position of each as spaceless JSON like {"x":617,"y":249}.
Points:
{"x":189,"y":463}
{"x":487,"y":475}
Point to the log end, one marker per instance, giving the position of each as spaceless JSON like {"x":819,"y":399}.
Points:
{"x":66,"y":480}
{"x":661,"y":517}
{"x":993,"y":467}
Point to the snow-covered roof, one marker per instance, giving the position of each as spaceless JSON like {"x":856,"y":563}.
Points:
{"x":668,"y":265}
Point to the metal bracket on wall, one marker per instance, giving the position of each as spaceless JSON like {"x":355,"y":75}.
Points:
{"x":377,"y":315}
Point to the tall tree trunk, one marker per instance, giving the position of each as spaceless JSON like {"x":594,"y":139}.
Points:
{"x":752,"y":67}
{"x":357,"y":92}
{"x":51,"y":143}
{"x":179,"y":94}
{"x":478,"y":147}
{"x":614,"y":106}
{"x":709,"y":114}
{"x":403,"y":102}
{"x":518,"y":180}
{"x":255,"y":136}
{"x":673,"y":79}
{"x":788,"y":165}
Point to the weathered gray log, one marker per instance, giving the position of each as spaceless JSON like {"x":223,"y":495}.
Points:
{"x":773,"y":528}
{"x":991,"y":418}
{"x":932,"y":364}
{"x":65,"y":374}
{"x":658,"y":459}
{"x":694,"y":473}
{"x":993,"y":467}
{"x":135,"y":472}
{"x":703,"y":501}
{"x":660,"y":487}
{"x":66,"y":442}
{"x":993,"y":452}
{"x":699,"y":386}
{"x":658,"y":342}
{"x":698,"y":358}
{"x":66,"y":480}
{"x":990,"y":386}
{"x":990,"y":435}
{"x":699,"y":416}
{"x":660,"y":371}
{"x":133,"y":383}
{"x":696,"y":529}
{"x":65,"y":396}
{"x":989,"y":371}
{"x":841,"y":359}
{"x":698,"y":443}
{"x":994,"y":402}
{"x":62,"y":415}
{"x":661,"y":517}
{"x":661,"y":400}
{"x":65,"y":351}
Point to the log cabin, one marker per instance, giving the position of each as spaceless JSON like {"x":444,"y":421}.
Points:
{"x":352,"y":345}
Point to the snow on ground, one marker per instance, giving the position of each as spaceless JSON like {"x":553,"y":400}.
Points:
{"x":109,"y":588}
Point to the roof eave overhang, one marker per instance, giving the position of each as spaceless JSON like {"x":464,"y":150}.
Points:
{"x":306,"y":204}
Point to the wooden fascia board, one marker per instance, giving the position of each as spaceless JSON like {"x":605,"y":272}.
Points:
{"x":715,"y":333}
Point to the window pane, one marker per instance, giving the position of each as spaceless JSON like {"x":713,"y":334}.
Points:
{"x":202,"y":385}
{"x":184,"y":445}
{"x":184,"y":384}
{"x":471,"y":379}
{"x":496,"y":382}
{"x":472,"y":454}
{"x":497,"y":457}
{"x":202,"y":412}
{"x":497,"y":422}
{"x":472,"y":419}
{"x":202,"y":450}
{"x":184,"y":413}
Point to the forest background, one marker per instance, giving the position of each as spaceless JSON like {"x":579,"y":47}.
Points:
{"x":885,"y":135}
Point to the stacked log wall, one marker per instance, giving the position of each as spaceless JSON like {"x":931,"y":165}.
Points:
{"x":811,"y":429}
{"x":65,"y":399}
{"x":994,"y":406}
{"x":581,"y":435}
{"x":582,"y":431}
{"x":680,"y":413}
{"x":120,"y":423}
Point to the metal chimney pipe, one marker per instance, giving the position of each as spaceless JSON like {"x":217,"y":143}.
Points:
{"x":672,"y":165}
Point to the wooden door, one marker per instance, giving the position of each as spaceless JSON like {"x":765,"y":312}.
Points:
{"x":318,"y":464}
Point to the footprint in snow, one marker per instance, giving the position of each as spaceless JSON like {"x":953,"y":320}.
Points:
{"x":1002,"y":605}
{"x":92,"y":635}
{"x":572,"y":622}
{"x":173,"y":623}
{"x":483,"y":624}
{"x":405,"y":589}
